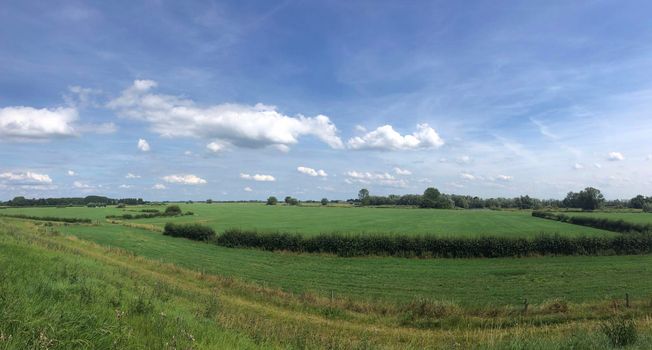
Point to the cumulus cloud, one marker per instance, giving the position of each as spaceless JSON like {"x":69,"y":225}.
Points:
{"x":311,"y":171}
{"x":463,"y":160}
{"x":21,"y":123}
{"x":216,"y":147}
{"x":386,"y":138}
{"x":159,"y":187}
{"x":400,"y":171}
{"x":504,"y":178}
{"x":82,"y":185}
{"x":132,"y":176}
{"x":248,"y":189}
{"x":615,"y":156}
{"x":71,"y":173}
{"x":578,"y":166}
{"x":258,"y":177}
{"x":467,"y":176}
{"x":184,"y":179}
{"x":241,"y":125}
{"x":125,"y":186}
{"x":143,"y":145}
{"x":368,"y":178}
{"x":25,"y":178}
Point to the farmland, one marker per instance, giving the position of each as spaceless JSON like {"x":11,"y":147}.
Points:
{"x":312,"y":220}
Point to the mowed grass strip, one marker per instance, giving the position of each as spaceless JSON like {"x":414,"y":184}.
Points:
{"x":346,"y":220}
{"x":467,"y":282}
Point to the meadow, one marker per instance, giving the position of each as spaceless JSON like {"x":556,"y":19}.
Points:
{"x":313,"y":220}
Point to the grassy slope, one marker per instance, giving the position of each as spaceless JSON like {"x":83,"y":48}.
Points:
{"x":315,"y":220}
{"x":477,"y":282}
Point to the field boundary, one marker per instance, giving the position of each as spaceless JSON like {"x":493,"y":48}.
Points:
{"x":437,"y":247}
{"x":620,"y":226}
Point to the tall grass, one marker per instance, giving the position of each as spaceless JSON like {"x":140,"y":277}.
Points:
{"x":48,"y":218}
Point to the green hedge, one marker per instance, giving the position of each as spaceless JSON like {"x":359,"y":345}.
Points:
{"x":146,"y":215}
{"x":431,"y":246}
{"x":191,"y":231}
{"x":601,"y":223}
{"x":49,"y":218}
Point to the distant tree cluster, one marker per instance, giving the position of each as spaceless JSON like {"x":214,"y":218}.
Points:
{"x":93,"y":201}
{"x":588,"y":199}
{"x":291,"y":201}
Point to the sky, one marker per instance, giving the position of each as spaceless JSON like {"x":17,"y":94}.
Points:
{"x":190,"y":100}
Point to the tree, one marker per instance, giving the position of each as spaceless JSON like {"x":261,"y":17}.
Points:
{"x":363,"y":196}
{"x":590,"y":199}
{"x":272,"y":200}
{"x":293,"y":201}
{"x":430,"y":197}
{"x":287,"y":199}
{"x":209,"y":201}
{"x":525,"y":202}
{"x":637,"y":202}
{"x":173,"y":210}
{"x":324,"y":201}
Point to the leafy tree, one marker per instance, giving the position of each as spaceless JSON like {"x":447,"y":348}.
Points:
{"x":293,"y":201}
{"x":637,"y":202}
{"x":590,"y":198}
{"x":363,"y":196}
{"x":430,"y":197}
{"x":324,"y":201}
{"x":173,"y":210}
{"x":287,"y":199}
{"x":272,"y":200}
{"x":209,"y":201}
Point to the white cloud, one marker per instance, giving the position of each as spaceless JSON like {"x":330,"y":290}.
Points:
{"x":648,"y":157}
{"x":216,"y":147}
{"x":543,"y":129}
{"x":386,"y":138}
{"x":21,"y":123}
{"x":143,"y":145}
{"x":578,"y":166}
{"x":132,"y":176}
{"x":463,"y":160}
{"x":185,"y":179}
{"x":257,"y":177}
{"x":159,"y":187}
{"x":504,"y":177}
{"x":615,"y":156}
{"x":125,"y":186}
{"x":597,"y":165}
{"x":399,"y":171}
{"x":241,"y":125}
{"x":360,"y":128}
{"x":71,"y":173}
{"x":248,"y":189}
{"x":467,"y":176}
{"x":25,"y":178}
{"x":82,"y":185}
{"x":367,"y":178}
{"x":311,"y":171}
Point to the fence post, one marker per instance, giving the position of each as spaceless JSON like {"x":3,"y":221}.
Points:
{"x":525,"y":305}
{"x":627,"y":300}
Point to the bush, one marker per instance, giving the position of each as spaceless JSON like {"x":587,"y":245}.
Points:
{"x":647,"y":208}
{"x":173,"y":210}
{"x":191,"y":231}
{"x":272,"y":200}
{"x":49,"y":218}
{"x":324,"y":201}
{"x":620,"y":331}
{"x":601,"y":223}
{"x":432,"y":246}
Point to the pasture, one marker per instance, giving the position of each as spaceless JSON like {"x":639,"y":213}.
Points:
{"x":312,"y":220}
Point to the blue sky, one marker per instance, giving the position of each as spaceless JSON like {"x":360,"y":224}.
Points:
{"x":242,"y":100}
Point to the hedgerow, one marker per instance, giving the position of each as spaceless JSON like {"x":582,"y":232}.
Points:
{"x":195,"y":232}
{"x":600,"y":223}
{"x":432,"y":246}
{"x":49,"y":218}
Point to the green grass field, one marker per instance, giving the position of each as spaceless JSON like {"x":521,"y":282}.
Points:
{"x":475,"y":282}
{"x":312,"y":220}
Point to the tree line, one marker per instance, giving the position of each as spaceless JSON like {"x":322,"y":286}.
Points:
{"x":587,"y":199}
{"x":21,"y":201}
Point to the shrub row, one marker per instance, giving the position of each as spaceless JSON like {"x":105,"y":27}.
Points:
{"x":146,"y":215}
{"x":191,"y":231}
{"x":431,"y":246}
{"x":49,"y":218}
{"x":601,"y":223}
